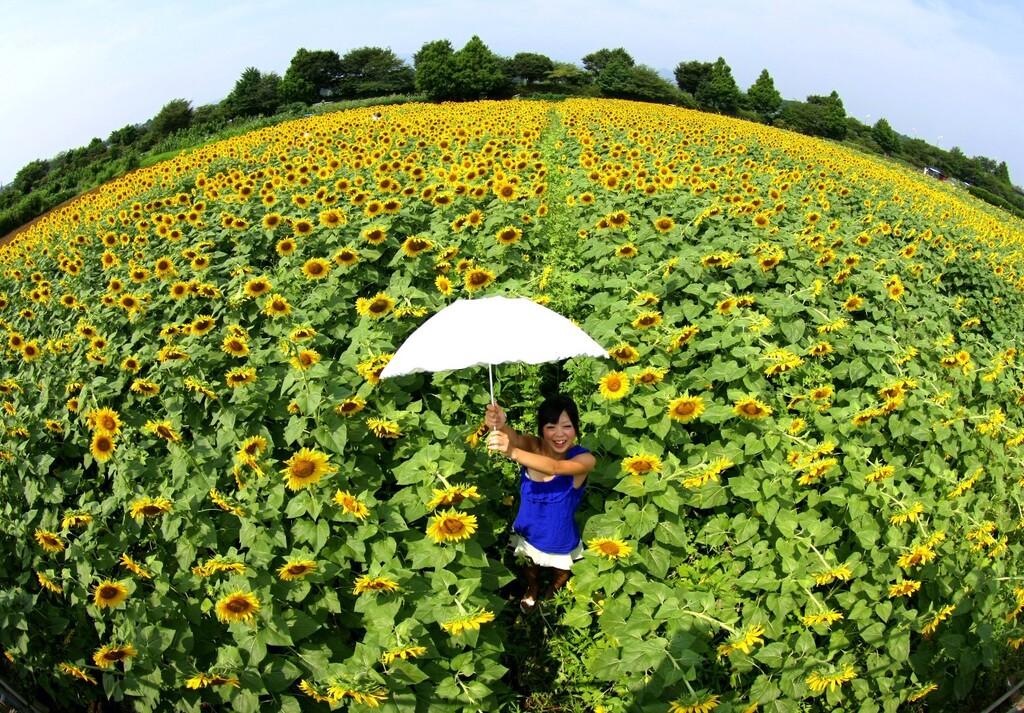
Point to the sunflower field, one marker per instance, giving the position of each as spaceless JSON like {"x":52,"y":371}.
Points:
{"x":808,"y":493}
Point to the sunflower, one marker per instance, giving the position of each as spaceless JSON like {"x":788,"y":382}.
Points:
{"x":509,"y":235}
{"x":686,"y":408}
{"x":238,"y":606}
{"x":376,"y":307}
{"x":384,"y":429}
{"x":451,"y":526}
{"x":650,"y":376}
{"x":405,"y":653}
{"x":164,"y":268}
{"x":277,"y":306}
{"x":504,"y":191}
{"x":609,"y":548}
{"x":614,"y":385}
{"x":351,"y":504}
{"x":48,"y":584}
{"x":178,"y":290}
{"x":642,"y":464}
{"x":624,"y":354}
{"x":296,"y":569}
{"x":305,"y":359}
{"x":664,"y":224}
{"x":744,"y":641}
{"x":106,"y":656}
{"x":145,"y":388}
{"x":133,"y":567}
{"x":76,"y":672}
{"x":646,"y":320}
{"x":333,"y":218}
{"x":202,"y":324}
{"x":346,"y":257}
{"x":271,"y":220}
{"x":257,"y":286}
{"x":235,"y":346}
{"x":477,"y":278}
{"x":698,"y":702}
{"x":162,"y":429}
{"x":202,"y":680}
{"x":751,"y":409}
{"x":240,"y":377}
{"x":453,"y":496}
{"x":104,"y":420}
{"x":109,"y":594}
{"x":148,"y":507}
{"x":49,"y":541}
{"x":468,"y":623}
{"x":627,"y":251}
{"x":415,"y":245}
{"x":129,"y":302}
{"x":171,"y":353}
{"x":306,"y":468}
{"x":371,"y":585}
{"x":443,"y":285}
{"x":375,"y":235}
{"x":853,"y":303}
{"x":286,"y":246}
{"x":102,"y":447}
{"x":351,"y":406}
{"x":316,"y":268}
{"x":77,"y":519}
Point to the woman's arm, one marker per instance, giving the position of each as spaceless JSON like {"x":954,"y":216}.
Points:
{"x":578,"y":466}
{"x":495,"y":420}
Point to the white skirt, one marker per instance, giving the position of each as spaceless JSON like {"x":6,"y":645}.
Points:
{"x":545,"y":559}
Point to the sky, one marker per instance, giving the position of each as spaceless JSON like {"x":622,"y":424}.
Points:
{"x":950,"y":72}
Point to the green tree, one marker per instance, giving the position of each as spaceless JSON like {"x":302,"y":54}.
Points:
{"x":568,"y":74}
{"x":125,"y":136}
{"x":764,"y":98}
{"x":887,"y":139}
{"x":834,"y":115}
{"x":30,"y":175}
{"x":531,"y":67}
{"x":373,"y":72}
{"x":478,"y":71}
{"x":719,"y":92}
{"x":614,"y":80}
{"x":209,"y":116}
{"x":690,"y":75}
{"x":434,"y":65}
{"x":312,"y":74}
{"x":594,"y":62}
{"x":254,"y":94}
{"x":174,"y":116}
{"x":1003,"y":173}
{"x":818,"y":116}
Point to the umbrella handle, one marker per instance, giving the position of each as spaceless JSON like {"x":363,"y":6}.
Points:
{"x":490,"y":379}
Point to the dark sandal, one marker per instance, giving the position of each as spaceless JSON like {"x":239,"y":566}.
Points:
{"x":527,"y":605}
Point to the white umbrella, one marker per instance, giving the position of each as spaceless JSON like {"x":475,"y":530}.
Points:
{"x":490,"y":330}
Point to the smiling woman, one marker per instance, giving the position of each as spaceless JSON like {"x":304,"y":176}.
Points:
{"x":553,"y":475}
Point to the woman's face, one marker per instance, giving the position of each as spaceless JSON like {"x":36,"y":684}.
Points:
{"x":560,"y":435}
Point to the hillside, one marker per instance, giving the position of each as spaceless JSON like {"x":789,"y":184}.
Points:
{"x":808,"y":430}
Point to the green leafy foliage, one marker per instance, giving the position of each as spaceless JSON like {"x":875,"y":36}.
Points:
{"x":808,"y":433}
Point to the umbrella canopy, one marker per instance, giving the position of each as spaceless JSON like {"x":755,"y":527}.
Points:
{"x":490,"y":330}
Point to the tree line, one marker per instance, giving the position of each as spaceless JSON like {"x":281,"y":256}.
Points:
{"x":441,"y":73}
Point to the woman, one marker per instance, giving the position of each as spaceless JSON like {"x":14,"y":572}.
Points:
{"x":553,"y":475}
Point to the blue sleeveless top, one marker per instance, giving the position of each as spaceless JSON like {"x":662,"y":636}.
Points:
{"x":547,"y":511}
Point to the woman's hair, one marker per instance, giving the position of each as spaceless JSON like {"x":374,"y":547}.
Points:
{"x":550,"y":410}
